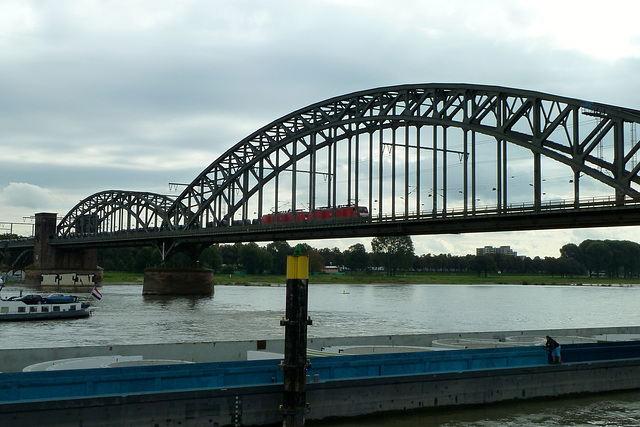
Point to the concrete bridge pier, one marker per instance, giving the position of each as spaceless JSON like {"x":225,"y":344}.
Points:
{"x":49,"y":260}
{"x":6,"y":256}
{"x":177,"y":281}
{"x":165,"y":280}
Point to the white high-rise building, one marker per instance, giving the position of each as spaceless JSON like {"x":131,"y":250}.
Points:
{"x":503,"y":250}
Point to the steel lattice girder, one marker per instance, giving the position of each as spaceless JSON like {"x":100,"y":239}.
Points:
{"x":547,"y":125}
{"x":137,"y":209}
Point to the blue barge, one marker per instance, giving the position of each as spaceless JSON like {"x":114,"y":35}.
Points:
{"x":250,"y":392}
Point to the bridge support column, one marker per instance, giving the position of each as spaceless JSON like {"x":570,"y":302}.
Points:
{"x":178,"y":281}
{"x":6,"y":257}
{"x":44,"y":256}
{"x":67,"y":264}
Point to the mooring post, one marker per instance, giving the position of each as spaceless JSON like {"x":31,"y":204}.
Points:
{"x":295,"y":348}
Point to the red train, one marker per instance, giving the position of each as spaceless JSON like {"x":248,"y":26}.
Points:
{"x":344,"y":211}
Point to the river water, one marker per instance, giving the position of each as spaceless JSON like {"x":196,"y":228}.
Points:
{"x":125,"y":316}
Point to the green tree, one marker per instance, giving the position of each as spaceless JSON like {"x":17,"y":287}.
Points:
{"x":231,"y":254}
{"x":316,"y":261}
{"x":356,"y":257}
{"x":332,"y":256}
{"x":254,"y":259}
{"x":442,"y":262}
{"x":279,"y":251}
{"x":631,"y":259}
{"x":537,"y":265}
{"x":248,"y":255}
{"x":570,"y":267}
{"x":625,"y":257}
{"x":483,"y":264}
{"x":145,"y":258}
{"x":552,"y":266}
{"x":570,"y":250}
{"x":423,"y":263}
{"x":395,"y":252}
{"x":211,"y":257}
{"x":598,"y":256}
{"x":180,"y":260}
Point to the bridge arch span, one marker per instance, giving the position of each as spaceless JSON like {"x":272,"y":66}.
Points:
{"x":114,"y":211}
{"x":423,"y":149}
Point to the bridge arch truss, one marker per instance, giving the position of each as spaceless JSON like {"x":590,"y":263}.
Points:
{"x":116,"y":211}
{"x":418,"y":151}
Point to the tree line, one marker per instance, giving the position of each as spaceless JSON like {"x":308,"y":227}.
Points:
{"x":609,"y":258}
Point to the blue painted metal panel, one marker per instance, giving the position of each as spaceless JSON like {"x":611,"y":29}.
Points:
{"x":47,"y":385}
{"x":430,"y":362}
{"x":600,"y":351}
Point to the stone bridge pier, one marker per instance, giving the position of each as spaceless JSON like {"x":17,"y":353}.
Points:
{"x":178,"y":281}
{"x":78,"y":267}
{"x":192,"y":280}
{"x":65,"y":263}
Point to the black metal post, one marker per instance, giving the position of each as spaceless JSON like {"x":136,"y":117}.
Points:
{"x":295,"y":352}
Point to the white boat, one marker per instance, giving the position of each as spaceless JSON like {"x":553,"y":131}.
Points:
{"x":38,"y":307}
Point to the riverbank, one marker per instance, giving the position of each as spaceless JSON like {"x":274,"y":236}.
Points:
{"x":114,"y":277}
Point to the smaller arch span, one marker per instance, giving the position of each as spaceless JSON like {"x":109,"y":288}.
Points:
{"x":113,"y":211}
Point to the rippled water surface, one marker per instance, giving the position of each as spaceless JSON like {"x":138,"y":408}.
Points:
{"x":124,"y":316}
{"x":612,"y":409}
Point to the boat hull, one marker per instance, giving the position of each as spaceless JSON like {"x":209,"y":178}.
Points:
{"x":37,"y":307}
{"x":52,"y":315}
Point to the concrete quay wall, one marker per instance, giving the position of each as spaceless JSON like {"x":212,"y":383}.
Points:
{"x":259,"y":405}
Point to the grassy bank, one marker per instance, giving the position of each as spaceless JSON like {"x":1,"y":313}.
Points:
{"x":112,"y":277}
{"x":427,"y":278}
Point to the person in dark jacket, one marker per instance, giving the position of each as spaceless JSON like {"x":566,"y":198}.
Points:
{"x":553,"y":347}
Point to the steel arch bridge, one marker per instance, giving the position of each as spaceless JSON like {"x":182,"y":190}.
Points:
{"x":115,"y":211}
{"x":403,"y":153}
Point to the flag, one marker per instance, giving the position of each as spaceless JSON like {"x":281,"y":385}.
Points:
{"x":96,"y":294}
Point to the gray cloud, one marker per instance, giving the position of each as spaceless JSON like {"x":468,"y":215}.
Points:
{"x":134,"y":95}
{"x":25,"y":195}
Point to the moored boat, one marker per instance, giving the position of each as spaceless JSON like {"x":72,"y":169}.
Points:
{"x":38,"y":307}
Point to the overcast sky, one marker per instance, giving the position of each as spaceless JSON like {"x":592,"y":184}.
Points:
{"x":98,"y":95}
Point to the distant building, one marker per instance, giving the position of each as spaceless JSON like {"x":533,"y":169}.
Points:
{"x":502,"y":250}
{"x":330,"y":269}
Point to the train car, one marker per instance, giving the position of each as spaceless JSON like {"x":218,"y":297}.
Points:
{"x":287,"y":216}
{"x":343,"y":211}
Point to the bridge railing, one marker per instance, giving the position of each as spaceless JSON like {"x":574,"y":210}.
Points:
{"x":511,"y":209}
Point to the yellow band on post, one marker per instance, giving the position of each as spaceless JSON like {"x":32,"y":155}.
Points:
{"x":297,"y":267}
